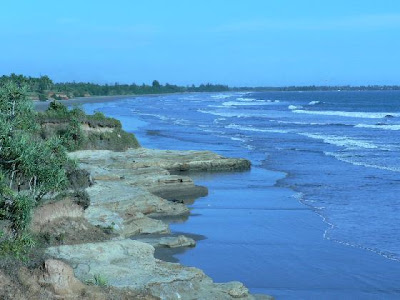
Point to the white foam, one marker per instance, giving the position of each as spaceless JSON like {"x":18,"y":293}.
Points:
{"x":314,"y":102}
{"x":342,"y":141}
{"x":221,"y":96}
{"x":245,"y":99}
{"x":305,"y":123}
{"x":163,"y":118}
{"x":238,"y":139}
{"x":383,"y":126}
{"x":181,"y":122}
{"x":248,"y":128}
{"x":234,"y":103}
{"x":357,"y":163}
{"x":225,"y":114}
{"x":292,"y":107}
{"x":349,"y":114}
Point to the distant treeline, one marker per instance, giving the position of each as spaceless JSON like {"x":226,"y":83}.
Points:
{"x":44,"y":88}
{"x":320,"y":88}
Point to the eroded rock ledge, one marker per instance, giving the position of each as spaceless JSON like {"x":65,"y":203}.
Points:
{"x":133,"y":195}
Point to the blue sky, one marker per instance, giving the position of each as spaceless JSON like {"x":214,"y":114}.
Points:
{"x":246,"y":42}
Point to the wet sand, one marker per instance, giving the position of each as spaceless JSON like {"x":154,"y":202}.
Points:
{"x":261,"y":235}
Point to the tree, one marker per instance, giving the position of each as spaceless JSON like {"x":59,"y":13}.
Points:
{"x":45,"y":83}
{"x":156,"y":84}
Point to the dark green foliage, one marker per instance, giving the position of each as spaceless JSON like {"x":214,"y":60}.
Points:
{"x":118,"y":140}
{"x":18,"y":247}
{"x":68,"y":125}
{"x":73,"y":136}
{"x":57,"y":108}
{"x":156,"y":84}
{"x":100,"y":131}
{"x":79,"y":179}
{"x":34,"y":164}
{"x":29,"y":168}
{"x":18,"y":211}
{"x":81,"y":197}
{"x":42,"y":97}
{"x":15,"y":109}
{"x":82,"y":89}
{"x":33,"y":84}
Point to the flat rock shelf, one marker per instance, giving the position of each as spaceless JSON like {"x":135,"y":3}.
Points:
{"x":135,"y":196}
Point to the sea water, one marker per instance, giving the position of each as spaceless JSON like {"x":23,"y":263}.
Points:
{"x":318,"y":215}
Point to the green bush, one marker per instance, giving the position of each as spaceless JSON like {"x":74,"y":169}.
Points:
{"x":57,"y":109}
{"x":29,"y":167}
{"x":98,"y":280}
{"x":67,"y":125}
{"x":18,"y":247}
{"x":42,"y":97}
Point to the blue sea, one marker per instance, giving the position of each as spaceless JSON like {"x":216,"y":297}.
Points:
{"x":317,"y":217}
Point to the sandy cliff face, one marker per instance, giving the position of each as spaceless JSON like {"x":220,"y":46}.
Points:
{"x":95,"y":135}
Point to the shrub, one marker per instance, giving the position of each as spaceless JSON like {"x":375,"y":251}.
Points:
{"x":18,"y":247}
{"x":29,"y":166}
{"x":42,"y":97}
{"x":57,"y":108}
{"x":81,"y":197}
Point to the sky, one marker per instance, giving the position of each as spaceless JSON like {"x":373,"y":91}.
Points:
{"x":234,"y":42}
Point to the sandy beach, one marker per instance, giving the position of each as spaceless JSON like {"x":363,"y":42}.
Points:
{"x":42,"y":105}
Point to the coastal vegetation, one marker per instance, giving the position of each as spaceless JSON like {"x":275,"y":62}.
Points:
{"x":49,"y":206}
{"x":30,"y":168}
{"x":43,"y":88}
{"x":78,"y":131}
{"x":34,"y":163}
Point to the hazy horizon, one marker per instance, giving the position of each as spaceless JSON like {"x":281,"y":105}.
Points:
{"x":252,"y":43}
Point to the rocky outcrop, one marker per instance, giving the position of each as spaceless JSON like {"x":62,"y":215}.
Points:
{"x":56,"y":281}
{"x":135,"y":186}
{"x":165,"y":159}
{"x":171,"y":241}
{"x":134,"y":194}
{"x":131,"y":264}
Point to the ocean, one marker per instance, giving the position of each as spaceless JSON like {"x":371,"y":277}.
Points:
{"x":317,"y":217}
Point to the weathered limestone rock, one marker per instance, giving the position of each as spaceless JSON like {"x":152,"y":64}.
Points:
{"x":169,"y":241}
{"x":177,"y":241}
{"x":135,"y":185}
{"x":165,"y":159}
{"x":59,"y":278}
{"x":128,"y":263}
{"x":55,"y":281}
{"x":127,"y":209}
{"x":133,"y":192}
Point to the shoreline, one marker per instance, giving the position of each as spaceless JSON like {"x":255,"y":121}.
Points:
{"x":42,"y":105}
{"x":124,"y":200}
{"x":293,"y":237}
{"x":134,"y":196}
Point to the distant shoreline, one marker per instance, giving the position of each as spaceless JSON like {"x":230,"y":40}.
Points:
{"x":42,"y":105}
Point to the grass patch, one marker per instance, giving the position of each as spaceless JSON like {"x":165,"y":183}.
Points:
{"x":98,"y":280}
